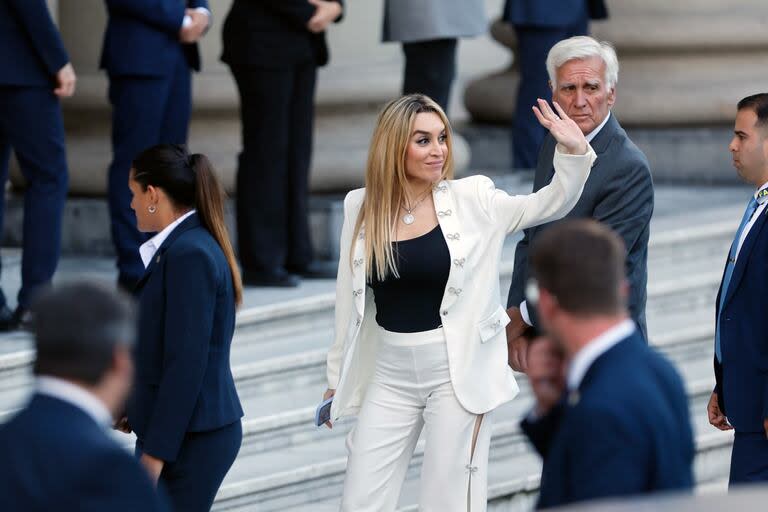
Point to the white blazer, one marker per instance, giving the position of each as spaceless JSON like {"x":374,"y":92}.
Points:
{"x":475,"y":218}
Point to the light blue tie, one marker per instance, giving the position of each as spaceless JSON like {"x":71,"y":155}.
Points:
{"x":751,"y":207}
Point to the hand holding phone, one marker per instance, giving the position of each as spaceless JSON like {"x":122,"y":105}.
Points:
{"x":323,"y":411}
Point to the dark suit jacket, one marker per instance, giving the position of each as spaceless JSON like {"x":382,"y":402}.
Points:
{"x":742,"y":378}
{"x":553,"y":13}
{"x":183,"y":378}
{"x":618,"y":193}
{"x":625,"y":431}
{"x":272,"y":34}
{"x":142,"y":37}
{"x":56,"y":457}
{"x":31,"y":51}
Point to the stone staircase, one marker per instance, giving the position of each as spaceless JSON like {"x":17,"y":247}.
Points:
{"x":278,"y":356}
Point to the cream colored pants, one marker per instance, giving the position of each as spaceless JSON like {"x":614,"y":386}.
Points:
{"x":410,"y":391}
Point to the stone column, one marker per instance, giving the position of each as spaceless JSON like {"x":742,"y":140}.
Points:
{"x":684,"y":66}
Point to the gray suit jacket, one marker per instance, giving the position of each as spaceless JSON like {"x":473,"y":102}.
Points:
{"x":424,"y":20}
{"x":618,"y":193}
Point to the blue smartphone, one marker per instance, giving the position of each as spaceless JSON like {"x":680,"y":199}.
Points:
{"x":323,"y":412}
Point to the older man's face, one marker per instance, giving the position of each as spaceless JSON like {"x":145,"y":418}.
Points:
{"x":582,"y":92}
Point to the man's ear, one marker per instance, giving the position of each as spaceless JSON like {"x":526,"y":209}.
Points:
{"x":611,"y":99}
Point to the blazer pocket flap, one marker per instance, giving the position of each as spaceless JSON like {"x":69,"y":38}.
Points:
{"x":493,"y":325}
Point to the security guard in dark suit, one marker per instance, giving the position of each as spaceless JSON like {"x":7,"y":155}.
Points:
{"x":34,"y":73}
{"x":274,"y":48}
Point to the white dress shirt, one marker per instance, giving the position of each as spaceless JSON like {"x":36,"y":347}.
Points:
{"x":187,"y":20}
{"x":149,"y":248}
{"x":755,"y":216}
{"x":591,"y":135}
{"x":75,"y":395}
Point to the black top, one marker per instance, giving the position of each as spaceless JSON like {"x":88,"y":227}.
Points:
{"x":411,"y":303}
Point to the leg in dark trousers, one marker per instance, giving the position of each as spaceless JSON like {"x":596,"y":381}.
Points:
{"x":31,"y":123}
{"x":276,"y":107}
{"x":534,"y":44}
{"x":749,"y":458}
{"x":430,"y":67}
{"x":145,"y":111}
{"x":299,"y":250}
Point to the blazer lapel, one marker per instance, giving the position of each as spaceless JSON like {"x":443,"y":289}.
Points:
{"x":743,"y":257}
{"x":191,"y":222}
{"x":447,"y":216}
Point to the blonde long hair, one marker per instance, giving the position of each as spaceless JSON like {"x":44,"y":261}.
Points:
{"x":385,"y":179}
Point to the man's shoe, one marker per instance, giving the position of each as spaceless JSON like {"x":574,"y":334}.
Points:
{"x":20,"y":318}
{"x":316,"y":270}
{"x":271,"y":279}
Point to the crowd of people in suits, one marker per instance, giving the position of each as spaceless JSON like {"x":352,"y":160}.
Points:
{"x":421,"y":342}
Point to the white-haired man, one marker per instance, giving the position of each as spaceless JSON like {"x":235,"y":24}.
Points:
{"x":583,"y":75}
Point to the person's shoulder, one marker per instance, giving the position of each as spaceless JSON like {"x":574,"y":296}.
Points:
{"x":469,"y":185}
{"x":623,"y":151}
{"x":353,"y":201}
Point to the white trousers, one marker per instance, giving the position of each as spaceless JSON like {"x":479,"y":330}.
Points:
{"x":411,"y":389}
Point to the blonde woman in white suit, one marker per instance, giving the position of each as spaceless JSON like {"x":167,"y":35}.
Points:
{"x":420,"y":340}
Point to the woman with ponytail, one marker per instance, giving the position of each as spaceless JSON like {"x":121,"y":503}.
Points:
{"x":184,"y":408}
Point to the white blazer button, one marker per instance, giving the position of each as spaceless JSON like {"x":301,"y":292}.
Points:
{"x":445,"y":312}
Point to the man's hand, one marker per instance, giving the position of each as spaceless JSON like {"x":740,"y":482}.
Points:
{"x":153,"y":465}
{"x":192,"y":32}
{"x":563,"y":128}
{"x":325,"y":14}
{"x":716,"y":417}
{"x":122,"y":425}
{"x":65,"y":80}
{"x":546,"y":373}
{"x":517,"y":345}
{"x":765,"y":427}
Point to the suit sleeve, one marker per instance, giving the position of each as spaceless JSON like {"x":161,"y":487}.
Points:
{"x":626,"y":205}
{"x":37,"y":22}
{"x":191,"y":288}
{"x":519,"y":273}
{"x":166,"y":15}
{"x":601,"y":469}
{"x":117,"y":483}
{"x":513,"y":213}
{"x":344,"y":303}
{"x":541,"y":431}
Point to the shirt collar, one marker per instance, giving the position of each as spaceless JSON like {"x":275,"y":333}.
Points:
{"x":591,"y":135}
{"x":584,"y":358}
{"x":75,"y":395}
{"x":761,"y":193}
{"x":150,"y":247}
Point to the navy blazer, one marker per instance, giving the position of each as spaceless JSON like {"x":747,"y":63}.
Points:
{"x":31,"y":50}
{"x":183,"y":378}
{"x":56,"y":457}
{"x":142,"y":37}
{"x":553,"y":13}
{"x":618,"y":193}
{"x":625,"y":431}
{"x":742,"y":378}
{"x":272,"y":34}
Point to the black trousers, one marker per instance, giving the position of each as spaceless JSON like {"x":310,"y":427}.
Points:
{"x":430,"y":67}
{"x":277,"y":115}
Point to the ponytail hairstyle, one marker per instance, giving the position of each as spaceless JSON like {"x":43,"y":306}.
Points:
{"x":189,"y":182}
